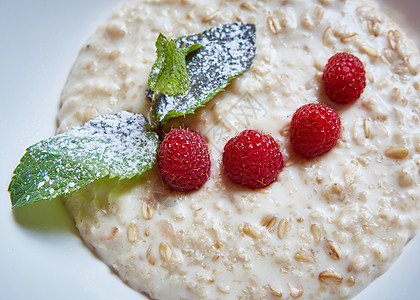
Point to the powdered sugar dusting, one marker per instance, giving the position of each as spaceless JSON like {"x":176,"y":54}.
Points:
{"x":119,"y":141}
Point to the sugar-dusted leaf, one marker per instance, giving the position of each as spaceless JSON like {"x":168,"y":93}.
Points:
{"x":169,"y":73}
{"x":228,"y":50}
{"x":107,"y":146}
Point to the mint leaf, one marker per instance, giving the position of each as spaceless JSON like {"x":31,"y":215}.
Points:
{"x":169,"y":73}
{"x":228,"y":50}
{"x":107,"y":146}
{"x":190,"y":48}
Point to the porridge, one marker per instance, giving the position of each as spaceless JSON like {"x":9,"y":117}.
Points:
{"x":327,"y":226}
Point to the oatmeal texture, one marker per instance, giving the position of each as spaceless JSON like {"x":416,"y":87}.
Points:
{"x":327,"y":226}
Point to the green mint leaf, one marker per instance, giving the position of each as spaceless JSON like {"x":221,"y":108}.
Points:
{"x":169,"y":73}
{"x":228,"y":50}
{"x":107,"y":146}
{"x":190,"y":48}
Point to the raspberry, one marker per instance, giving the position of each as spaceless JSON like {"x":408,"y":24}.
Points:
{"x":344,"y":78}
{"x":315,"y":129}
{"x":252,"y":159}
{"x":184,"y":160}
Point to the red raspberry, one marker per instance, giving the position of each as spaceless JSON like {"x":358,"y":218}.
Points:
{"x":184,"y":160}
{"x":344,"y":78}
{"x":252,"y":159}
{"x":315,"y":129}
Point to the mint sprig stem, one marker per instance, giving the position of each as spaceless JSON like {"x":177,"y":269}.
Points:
{"x":155,"y":125}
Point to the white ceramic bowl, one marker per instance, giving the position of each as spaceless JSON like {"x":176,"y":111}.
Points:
{"x":42,"y":256}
